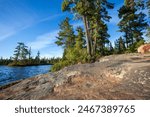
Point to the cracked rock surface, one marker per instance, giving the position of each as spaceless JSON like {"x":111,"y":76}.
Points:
{"x":125,"y":76}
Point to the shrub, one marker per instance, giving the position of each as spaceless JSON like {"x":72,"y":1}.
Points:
{"x":134,"y":47}
{"x":76,"y":55}
{"x":61,"y":64}
{"x":72,"y":56}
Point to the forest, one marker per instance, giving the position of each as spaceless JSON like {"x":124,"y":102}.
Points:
{"x":88,"y":43}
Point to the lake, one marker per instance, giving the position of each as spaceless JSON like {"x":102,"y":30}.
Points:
{"x":11,"y":74}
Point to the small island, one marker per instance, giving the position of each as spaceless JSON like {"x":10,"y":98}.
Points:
{"x":23,"y":57}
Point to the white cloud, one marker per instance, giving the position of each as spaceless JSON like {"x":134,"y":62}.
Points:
{"x":7,"y":31}
{"x":47,"y":39}
{"x":49,"y":18}
{"x":6,"y":35}
{"x":43,"y":40}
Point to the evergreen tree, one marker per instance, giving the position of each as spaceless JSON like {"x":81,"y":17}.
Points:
{"x":77,"y":53}
{"x":148,"y":6}
{"x":21,"y":52}
{"x":17,"y":52}
{"x":80,"y":40}
{"x":120,"y":46}
{"x":37,"y":58}
{"x":66,"y":37}
{"x":80,"y":7}
{"x":29,"y":53}
{"x":110,"y":49}
{"x":5,"y":61}
{"x":24,"y":52}
{"x":92,"y":12}
{"x":132,"y":22}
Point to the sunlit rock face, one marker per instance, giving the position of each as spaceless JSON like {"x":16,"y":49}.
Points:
{"x":144,"y":48}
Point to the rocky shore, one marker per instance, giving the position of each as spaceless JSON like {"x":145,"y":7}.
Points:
{"x":124,"y":76}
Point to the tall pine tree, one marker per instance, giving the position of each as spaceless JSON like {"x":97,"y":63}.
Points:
{"x":21,"y":52}
{"x":132,"y":22}
{"x":120,"y":46}
{"x":66,"y":37}
{"x":93,"y":14}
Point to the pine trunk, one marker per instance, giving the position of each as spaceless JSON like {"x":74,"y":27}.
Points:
{"x":88,"y":40}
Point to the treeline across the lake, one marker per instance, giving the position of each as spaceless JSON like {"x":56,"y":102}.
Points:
{"x":5,"y":61}
{"x":23,"y":57}
{"x":88,"y":43}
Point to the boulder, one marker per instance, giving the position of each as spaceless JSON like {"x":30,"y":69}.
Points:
{"x":144,"y":48}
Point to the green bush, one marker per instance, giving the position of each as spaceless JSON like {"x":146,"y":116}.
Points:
{"x":72,"y":56}
{"x":134,"y":47}
{"x":138,"y":44}
{"x":76,"y":55}
{"x":61,"y":64}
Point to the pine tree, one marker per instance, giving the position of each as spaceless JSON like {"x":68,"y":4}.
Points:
{"x":66,"y":37}
{"x":80,"y":40}
{"x":148,"y":6}
{"x":82,"y":8}
{"x":21,"y":52}
{"x":29,"y":53}
{"x":120,"y":46}
{"x":17,"y":52}
{"x":24,"y":52}
{"x":132,"y":22}
{"x":93,"y":14}
{"x":77,"y":53}
{"x":37,"y":58}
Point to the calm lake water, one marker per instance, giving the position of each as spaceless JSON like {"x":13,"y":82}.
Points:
{"x":11,"y":74}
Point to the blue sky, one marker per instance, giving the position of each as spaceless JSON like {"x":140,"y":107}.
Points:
{"x":35,"y":22}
